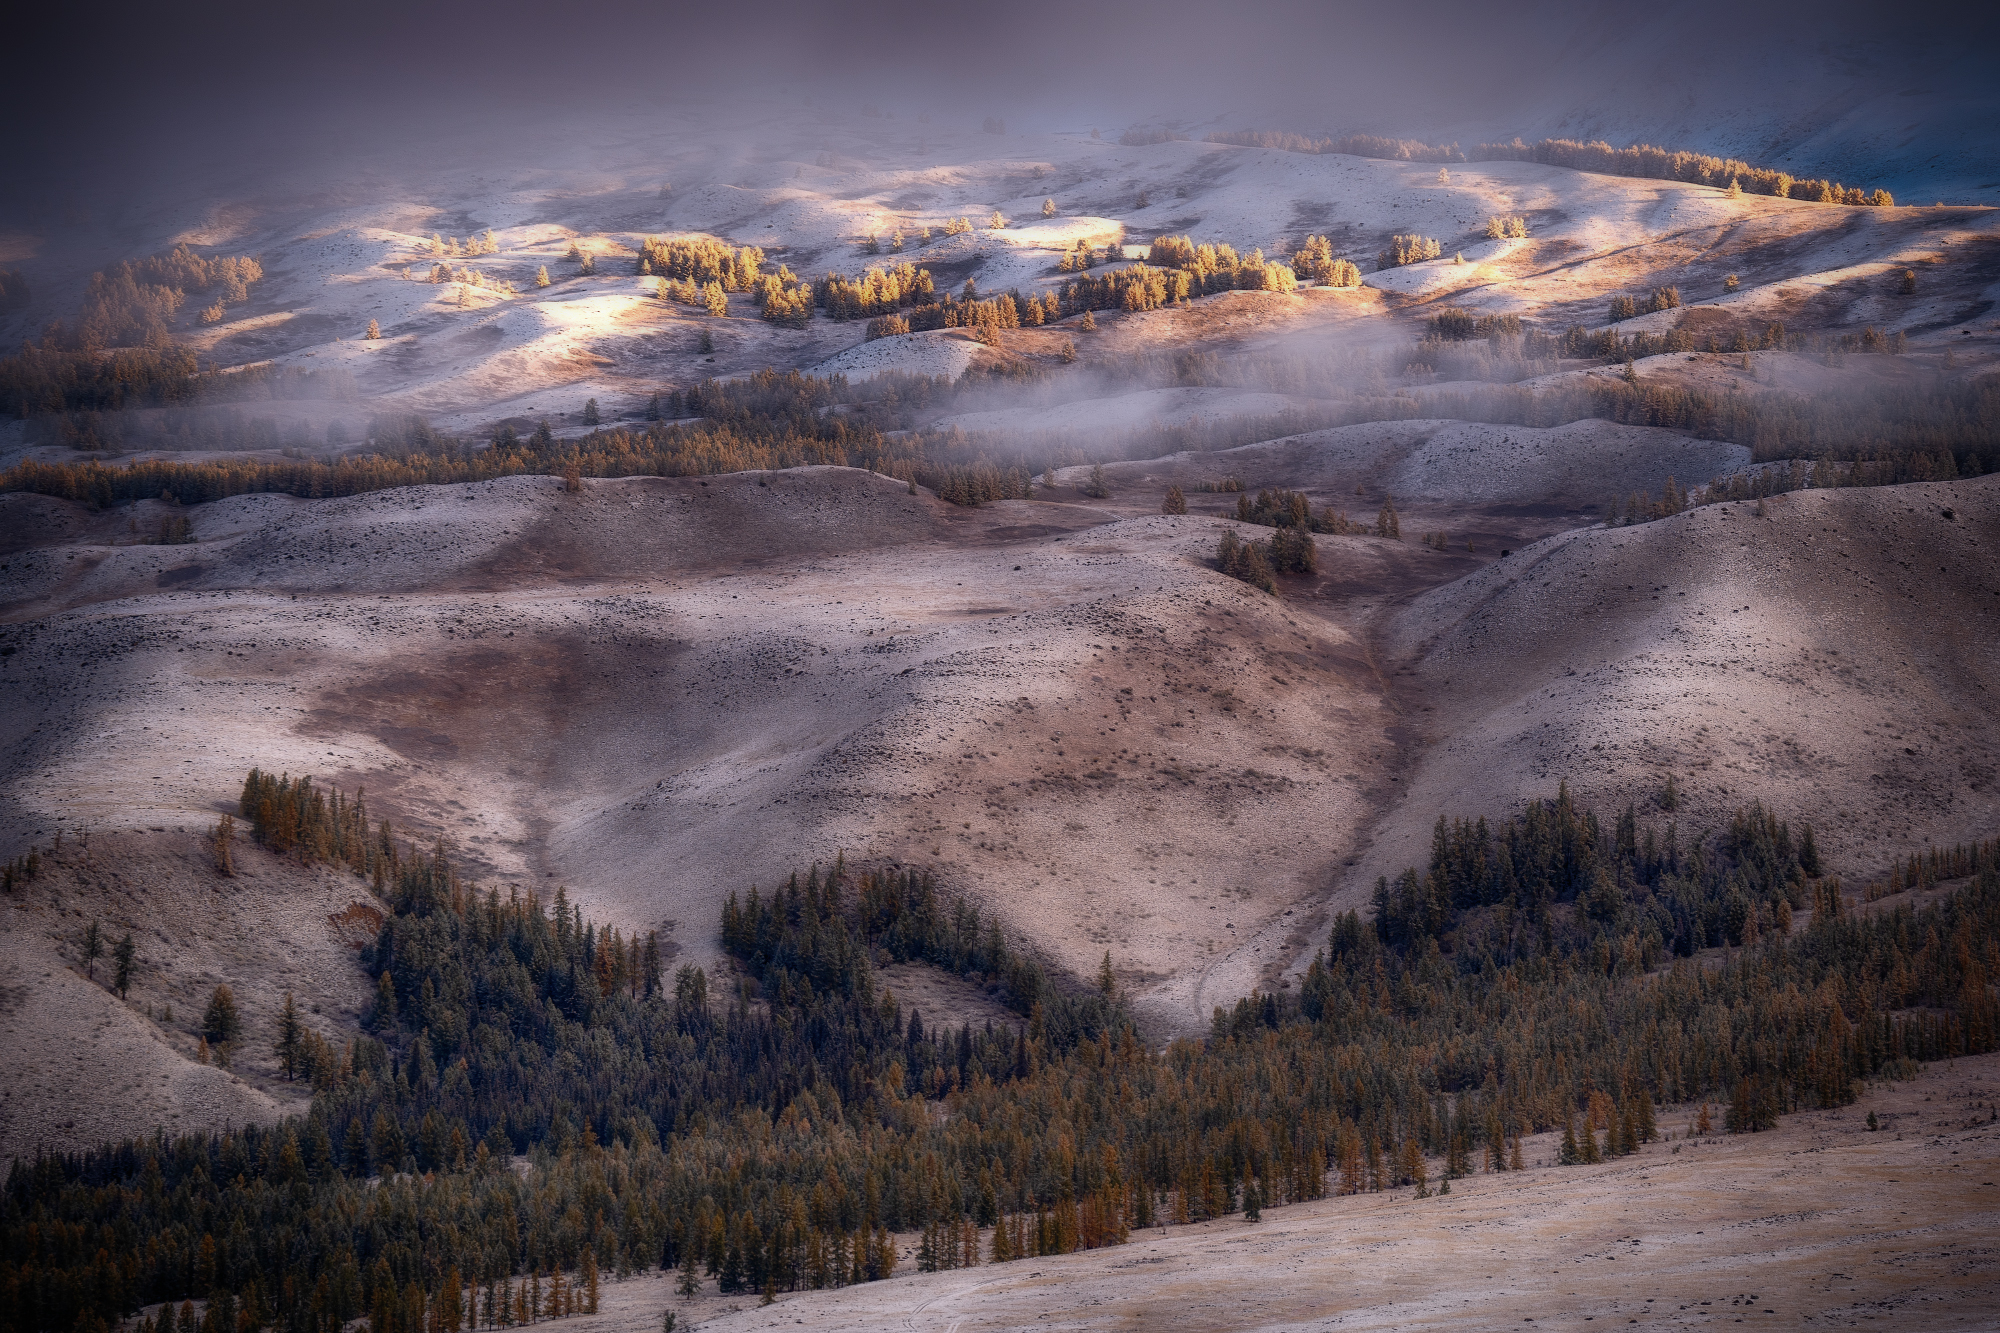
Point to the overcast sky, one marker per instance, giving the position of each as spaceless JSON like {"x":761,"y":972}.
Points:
{"x":100,"y":85}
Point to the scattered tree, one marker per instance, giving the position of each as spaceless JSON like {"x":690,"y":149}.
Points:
{"x":221,"y":1022}
{"x":222,"y":845}
{"x":290,"y":1042}
{"x":121,"y":955}
{"x":1409,"y":250}
{"x":93,"y":948}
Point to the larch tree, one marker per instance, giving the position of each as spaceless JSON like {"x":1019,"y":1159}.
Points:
{"x":221,"y":1022}
{"x":290,"y":1043}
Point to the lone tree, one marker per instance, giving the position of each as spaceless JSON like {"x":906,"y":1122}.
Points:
{"x":222,"y":840}
{"x":93,"y":949}
{"x":542,"y":276}
{"x":1175,"y":503}
{"x":1048,"y":208}
{"x":374,"y":330}
{"x":590,"y":413}
{"x":1097,"y":488}
{"x":121,"y":954}
{"x":221,"y":1022}
{"x":290,"y":1044}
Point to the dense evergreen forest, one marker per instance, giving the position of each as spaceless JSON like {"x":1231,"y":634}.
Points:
{"x":769,"y":1128}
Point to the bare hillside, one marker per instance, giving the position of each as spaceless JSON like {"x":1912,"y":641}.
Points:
{"x":660,"y":690}
{"x":1832,"y":657}
{"x":85,"y":1065}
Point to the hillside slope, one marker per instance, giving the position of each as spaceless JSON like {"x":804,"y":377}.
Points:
{"x":85,"y":1065}
{"x":1833,"y":658}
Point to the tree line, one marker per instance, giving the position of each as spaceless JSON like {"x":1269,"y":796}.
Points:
{"x":1925,"y":431}
{"x":1641,"y":160}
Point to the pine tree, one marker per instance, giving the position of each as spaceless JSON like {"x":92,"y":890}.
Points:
{"x":374,"y":331}
{"x":121,"y":955}
{"x":590,"y":414}
{"x":93,"y":948}
{"x":291,"y":1038}
{"x":1048,"y":208}
{"x":542,"y":276}
{"x":1568,"y":1154}
{"x":689,"y":1282}
{"x":1175,"y":503}
{"x":1089,"y":324}
{"x":354,"y":1149}
{"x":386,"y":1143}
{"x":996,"y":222}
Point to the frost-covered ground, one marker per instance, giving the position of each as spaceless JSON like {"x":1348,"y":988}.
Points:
{"x":346,"y":244}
